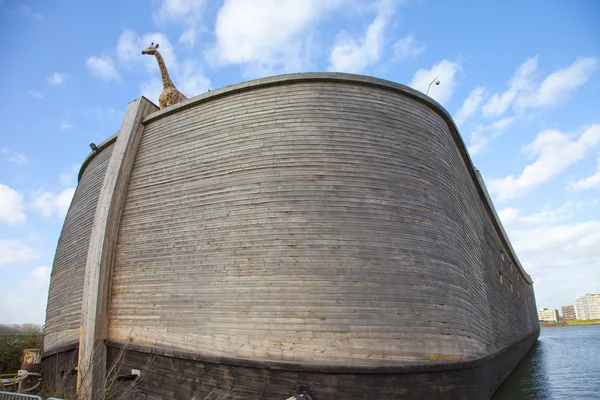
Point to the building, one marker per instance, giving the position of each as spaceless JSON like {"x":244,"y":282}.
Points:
{"x":547,"y":315}
{"x":588,"y":306}
{"x":568,"y":312}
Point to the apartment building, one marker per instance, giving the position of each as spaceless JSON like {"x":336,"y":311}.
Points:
{"x":588,"y":306}
{"x":568,"y":312}
{"x":547,"y":315}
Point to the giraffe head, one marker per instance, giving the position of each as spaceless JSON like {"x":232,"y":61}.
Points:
{"x":151,"y":50}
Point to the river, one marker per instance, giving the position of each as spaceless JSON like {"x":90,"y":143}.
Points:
{"x":563,"y":365}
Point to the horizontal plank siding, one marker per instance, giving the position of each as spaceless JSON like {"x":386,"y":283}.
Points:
{"x":312,"y":222}
{"x":63,"y":314}
{"x":173,"y":375}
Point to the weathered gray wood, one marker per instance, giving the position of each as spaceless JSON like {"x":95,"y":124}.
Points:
{"x":306,"y":221}
{"x":63,"y":313}
{"x":180,"y":375}
{"x":313,"y":221}
{"x":96,"y":289}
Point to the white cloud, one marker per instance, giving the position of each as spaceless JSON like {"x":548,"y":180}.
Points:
{"x":501,"y":124}
{"x":33,"y":237}
{"x":64,"y":125}
{"x":407,"y":48}
{"x":48,"y":203}
{"x":555,"y":152}
{"x":103,"y":67}
{"x":39,"y":277}
{"x":130,"y":45}
{"x":187,"y":75}
{"x":560,"y":246}
{"x":68,"y":177}
{"x":14,"y":157}
{"x":562,"y":258}
{"x":267,"y":35}
{"x":152,"y":89}
{"x":14,"y":252}
{"x":499,"y":103}
{"x":471,"y":104}
{"x":185,"y":12}
{"x":521,"y":78}
{"x":590,"y":182}
{"x":57,"y":79}
{"x":512,"y":217}
{"x":11,"y":206}
{"x":445,"y":71}
{"x":479,"y":140}
{"x":557,"y":87}
{"x":36,"y":94}
{"x":524,"y":94}
{"x":18,"y":158}
{"x":355,"y":55}
{"x":29,"y":13}
{"x":484,"y":134}
{"x":25,"y":302}
{"x":193,"y":82}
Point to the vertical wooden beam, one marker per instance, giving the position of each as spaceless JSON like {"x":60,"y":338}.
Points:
{"x":98,"y":273}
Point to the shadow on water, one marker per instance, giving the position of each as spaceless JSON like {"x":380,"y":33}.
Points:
{"x":529,"y":380}
{"x":562,"y":365}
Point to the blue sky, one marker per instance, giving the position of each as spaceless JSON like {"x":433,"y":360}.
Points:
{"x":521,"y":79}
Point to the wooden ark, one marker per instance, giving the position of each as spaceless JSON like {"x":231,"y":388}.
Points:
{"x":315,"y":232}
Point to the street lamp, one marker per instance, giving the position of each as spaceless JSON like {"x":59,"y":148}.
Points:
{"x":436,"y":81}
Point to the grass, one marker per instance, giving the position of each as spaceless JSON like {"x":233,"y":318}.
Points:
{"x":11,"y":349}
{"x":571,"y":322}
{"x":583,"y":322}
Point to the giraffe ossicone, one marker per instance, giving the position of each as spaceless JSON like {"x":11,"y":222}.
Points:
{"x":170,"y":95}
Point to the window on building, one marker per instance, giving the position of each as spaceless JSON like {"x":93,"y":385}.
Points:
{"x":512,"y":289}
{"x":501,"y":280}
{"x":502,"y":255}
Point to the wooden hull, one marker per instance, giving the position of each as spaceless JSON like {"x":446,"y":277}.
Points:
{"x":310,"y":229}
{"x":177,"y":375}
{"x":63,"y":313}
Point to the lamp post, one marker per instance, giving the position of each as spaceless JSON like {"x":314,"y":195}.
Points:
{"x":436,"y":81}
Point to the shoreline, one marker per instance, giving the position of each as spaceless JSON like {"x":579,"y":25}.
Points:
{"x":566,"y":324}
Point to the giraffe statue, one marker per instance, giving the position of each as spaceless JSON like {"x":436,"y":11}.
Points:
{"x":170,"y":94}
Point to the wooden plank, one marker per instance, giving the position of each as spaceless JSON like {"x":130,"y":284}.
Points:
{"x":96,"y":289}
{"x":63,"y":313}
{"x":179,"y":375}
{"x":312,"y":222}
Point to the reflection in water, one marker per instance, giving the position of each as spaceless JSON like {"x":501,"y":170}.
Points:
{"x":530,"y":374}
{"x":564,"y":364}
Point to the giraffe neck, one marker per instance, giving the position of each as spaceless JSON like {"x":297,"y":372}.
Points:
{"x":167,"y":83}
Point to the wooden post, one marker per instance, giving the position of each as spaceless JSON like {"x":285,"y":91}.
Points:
{"x":96,"y":288}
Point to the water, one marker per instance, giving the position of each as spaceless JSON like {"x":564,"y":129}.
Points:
{"x":563,"y":365}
